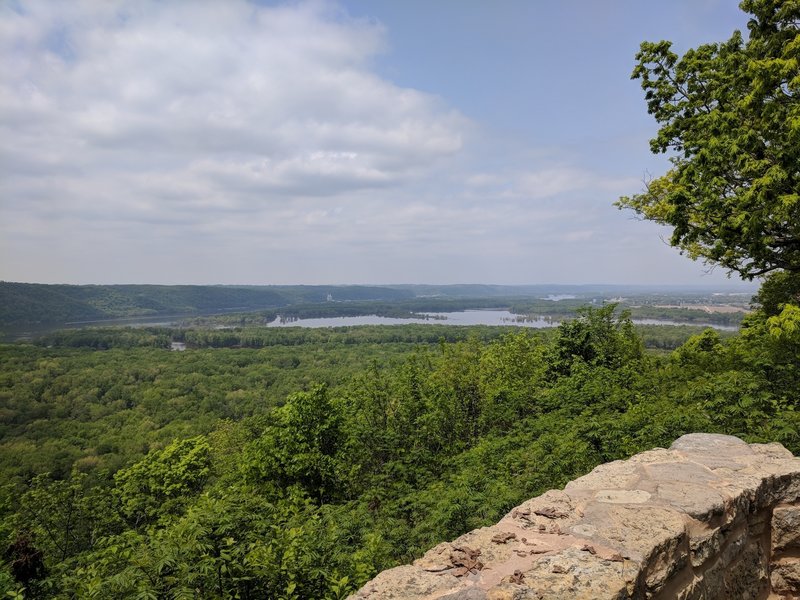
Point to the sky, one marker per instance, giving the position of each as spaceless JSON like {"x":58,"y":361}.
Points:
{"x":335,"y":142}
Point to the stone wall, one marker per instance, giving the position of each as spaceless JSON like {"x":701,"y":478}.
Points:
{"x":710,"y":518}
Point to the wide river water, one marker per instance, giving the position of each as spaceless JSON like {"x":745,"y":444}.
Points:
{"x":466,"y":317}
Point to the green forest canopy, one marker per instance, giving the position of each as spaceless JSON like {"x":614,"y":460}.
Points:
{"x":301,"y":470}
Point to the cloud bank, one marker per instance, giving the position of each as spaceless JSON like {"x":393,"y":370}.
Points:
{"x":230,"y":142}
{"x":217,"y":103}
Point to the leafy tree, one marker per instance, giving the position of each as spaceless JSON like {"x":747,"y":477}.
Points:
{"x":779,"y":301}
{"x":730,"y":112}
{"x":778,"y":290}
{"x":63,"y":517}
{"x":511,"y":370}
{"x":700,"y":352}
{"x":164,"y":480}
{"x":299,"y":447}
{"x":229,"y":544}
{"x":455,"y":396}
{"x":596,"y":338}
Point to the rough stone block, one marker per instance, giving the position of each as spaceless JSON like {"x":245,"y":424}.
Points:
{"x":579,"y":575}
{"x":747,"y":579}
{"x":694,"y":590}
{"x":704,"y":545}
{"x":468,"y":594}
{"x":757,"y":524}
{"x":785,"y":528}
{"x":687,"y":523}
{"x":785,"y":578}
{"x":405,"y":582}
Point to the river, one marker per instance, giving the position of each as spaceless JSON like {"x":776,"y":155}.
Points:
{"x":466,"y":317}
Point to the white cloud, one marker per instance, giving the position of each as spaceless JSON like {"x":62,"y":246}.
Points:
{"x":231,"y":142}
{"x":578,"y":236}
{"x":208,"y":104}
{"x":482,"y":180}
{"x":553,"y":181}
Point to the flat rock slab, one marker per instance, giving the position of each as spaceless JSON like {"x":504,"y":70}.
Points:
{"x":667,"y":523}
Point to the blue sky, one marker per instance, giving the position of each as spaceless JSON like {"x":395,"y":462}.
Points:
{"x":361,"y":141}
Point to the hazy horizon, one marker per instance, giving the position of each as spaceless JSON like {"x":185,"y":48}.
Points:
{"x":322,"y":141}
{"x":732,"y":284}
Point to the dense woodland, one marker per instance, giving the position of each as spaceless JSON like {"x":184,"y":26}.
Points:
{"x":301,"y":466}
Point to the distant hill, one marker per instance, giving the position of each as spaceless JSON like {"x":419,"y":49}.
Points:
{"x":578,"y":290}
{"x":23,"y":304}
{"x":33,"y":305}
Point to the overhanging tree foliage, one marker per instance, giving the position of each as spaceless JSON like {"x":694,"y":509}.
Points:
{"x":730,"y":112}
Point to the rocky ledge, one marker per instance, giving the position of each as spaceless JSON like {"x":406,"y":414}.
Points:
{"x":710,"y":518}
